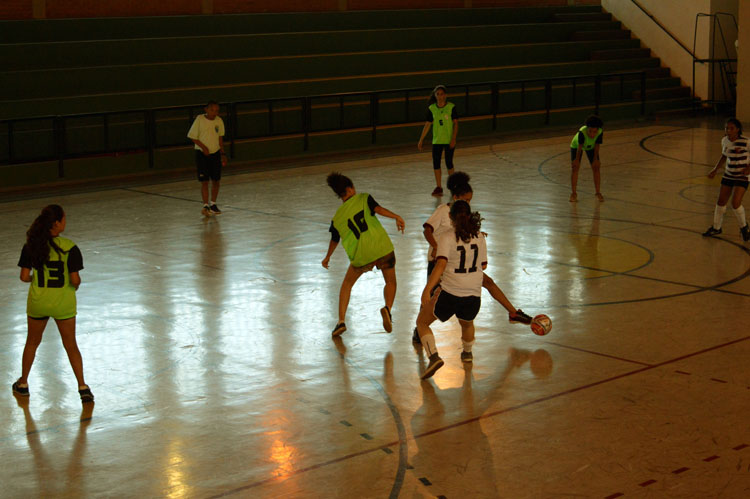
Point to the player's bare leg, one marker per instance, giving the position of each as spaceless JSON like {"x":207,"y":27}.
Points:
{"x":467,"y":340}
{"x":345,"y":293}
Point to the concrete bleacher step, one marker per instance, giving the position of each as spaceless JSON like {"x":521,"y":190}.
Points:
{"x":62,"y":54}
{"x":629,"y":53}
{"x":46,"y":105}
{"x":57,"y":30}
{"x":582,"y":17}
{"x":108,"y":79}
{"x":598,"y":34}
{"x":675,"y":91}
{"x":658,"y":72}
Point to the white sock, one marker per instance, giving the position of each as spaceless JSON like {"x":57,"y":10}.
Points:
{"x":719,"y":216}
{"x":467,"y":345}
{"x":740,"y":214}
{"x":428,"y":342}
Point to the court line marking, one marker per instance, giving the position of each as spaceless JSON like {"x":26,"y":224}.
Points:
{"x":642,"y":145}
{"x":283,"y":477}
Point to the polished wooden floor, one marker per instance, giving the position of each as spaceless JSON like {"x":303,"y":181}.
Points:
{"x":207,"y":340}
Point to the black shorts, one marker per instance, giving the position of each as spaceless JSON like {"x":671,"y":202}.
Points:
{"x":589,"y":154}
{"x":463,"y":307}
{"x":731,"y":182}
{"x":209,"y":167}
{"x":437,"y":152}
{"x":383,"y":263}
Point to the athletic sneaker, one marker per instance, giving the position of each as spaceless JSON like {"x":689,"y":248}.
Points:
{"x":206,"y":210}
{"x":435,"y":363}
{"x":438,"y":191}
{"x":745,"y":232}
{"x":215,"y":209}
{"x":711,"y":232}
{"x":86,"y":395}
{"x":415,"y":337}
{"x":519,"y":317}
{"x":573,"y":197}
{"x":599,"y":197}
{"x":23,"y":391}
{"x":387,"y":319}
{"x":467,"y":357}
{"x":340,"y":328}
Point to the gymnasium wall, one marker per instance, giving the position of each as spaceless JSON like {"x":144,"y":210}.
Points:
{"x":49,"y":9}
{"x":679,"y":17}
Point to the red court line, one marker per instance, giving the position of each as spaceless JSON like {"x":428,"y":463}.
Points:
{"x":284,"y":476}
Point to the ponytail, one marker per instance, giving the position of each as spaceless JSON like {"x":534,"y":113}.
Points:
{"x":38,"y":237}
{"x":465,"y":223}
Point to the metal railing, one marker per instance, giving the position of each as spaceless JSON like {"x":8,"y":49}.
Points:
{"x":300,"y":110}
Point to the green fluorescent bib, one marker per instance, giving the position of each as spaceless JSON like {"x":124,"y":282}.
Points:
{"x":362,"y":236}
{"x":589,"y":143}
{"x":442,"y":123}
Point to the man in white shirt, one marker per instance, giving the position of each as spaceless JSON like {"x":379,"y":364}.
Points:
{"x":207,"y":133}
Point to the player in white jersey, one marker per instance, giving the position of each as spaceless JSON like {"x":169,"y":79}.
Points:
{"x":734,"y":153}
{"x":439,"y":223}
{"x":460,"y":261}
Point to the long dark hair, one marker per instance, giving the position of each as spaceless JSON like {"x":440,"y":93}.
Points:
{"x":38,"y":238}
{"x":458,"y":184}
{"x":465,"y":223}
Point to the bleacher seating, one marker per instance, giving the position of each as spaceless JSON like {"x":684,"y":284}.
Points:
{"x":84,"y":66}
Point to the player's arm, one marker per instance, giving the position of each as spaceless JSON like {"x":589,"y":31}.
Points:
{"x":223,"y":154}
{"x":335,"y":238}
{"x":201,"y":145}
{"x":719,"y":164}
{"x":455,"y":132}
{"x":429,"y":235}
{"x":427,"y":125}
{"x":596,"y":156}
{"x":75,"y":279}
{"x":25,"y":274}
{"x":331,"y":247}
{"x":435,"y":275}
{"x":400,"y":225}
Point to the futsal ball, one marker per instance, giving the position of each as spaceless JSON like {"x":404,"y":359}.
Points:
{"x":541,"y":324}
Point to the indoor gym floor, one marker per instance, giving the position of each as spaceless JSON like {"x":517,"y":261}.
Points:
{"x":207,"y":343}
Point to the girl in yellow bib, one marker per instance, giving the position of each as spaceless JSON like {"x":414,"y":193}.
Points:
{"x":50,"y":264}
{"x":588,"y":138}
{"x":442,"y":117}
{"x":366,"y":244}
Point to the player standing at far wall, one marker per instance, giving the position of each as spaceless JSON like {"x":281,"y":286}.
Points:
{"x":589,"y":137}
{"x":207,"y":133}
{"x":734,"y":153}
{"x":442,"y":117}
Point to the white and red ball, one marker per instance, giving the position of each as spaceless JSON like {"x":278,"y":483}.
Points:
{"x":541,"y":324}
